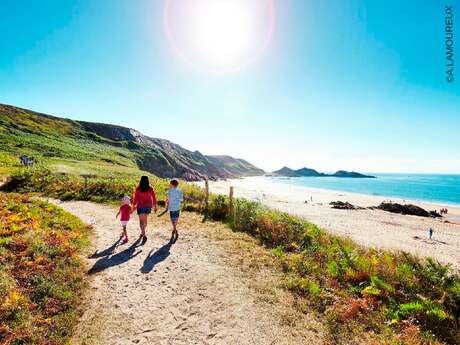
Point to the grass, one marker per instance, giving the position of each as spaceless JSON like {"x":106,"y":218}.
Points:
{"x":93,"y":168}
{"x":25,"y":132}
{"x":8,"y":164}
{"x":392,"y":298}
{"x":41,"y":275}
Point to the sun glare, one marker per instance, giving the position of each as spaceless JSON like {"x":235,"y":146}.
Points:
{"x":220,"y":35}
{"x":221,"y":31}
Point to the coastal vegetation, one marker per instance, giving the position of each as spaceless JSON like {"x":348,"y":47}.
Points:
{"x":96,"y":188}
{"x":42,"y":278}
{"x":390,"y":297}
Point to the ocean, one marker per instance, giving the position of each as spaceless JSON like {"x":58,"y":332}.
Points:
{"x":443,"y":189}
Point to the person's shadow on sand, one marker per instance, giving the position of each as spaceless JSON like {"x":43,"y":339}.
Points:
{"x":106,"y":252}
{"x":153,"y":259}
{"x":117,"y":259}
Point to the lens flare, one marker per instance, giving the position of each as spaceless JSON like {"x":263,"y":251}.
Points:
{"x":219,"y":35}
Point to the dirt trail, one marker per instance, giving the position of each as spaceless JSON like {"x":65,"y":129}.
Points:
{"x":212,"y":287}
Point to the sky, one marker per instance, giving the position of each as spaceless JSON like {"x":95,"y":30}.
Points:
{"x":334,"y":84}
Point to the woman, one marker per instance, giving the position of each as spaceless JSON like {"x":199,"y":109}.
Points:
{"x":144,"y":200}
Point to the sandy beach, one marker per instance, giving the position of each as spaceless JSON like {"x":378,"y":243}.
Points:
{"x":374,"y":228}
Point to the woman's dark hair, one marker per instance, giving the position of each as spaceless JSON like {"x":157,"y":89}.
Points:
{"x":144,"y":184}
{"x":175,"y":183}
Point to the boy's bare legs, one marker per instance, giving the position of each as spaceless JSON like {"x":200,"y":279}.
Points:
{"x":174,"y":234}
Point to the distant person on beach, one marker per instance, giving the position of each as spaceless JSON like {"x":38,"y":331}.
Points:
{"x":430,"y":233}
{"x":125,"y":213}
{"x":173,"y":203}
{"x":144,"y":200}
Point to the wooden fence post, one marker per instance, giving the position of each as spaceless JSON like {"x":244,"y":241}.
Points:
{"x":232,"y":206}
{"x":206,"y":199}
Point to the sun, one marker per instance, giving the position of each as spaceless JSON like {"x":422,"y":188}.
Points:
{"x":221,"y":31}
{"x":220,"y":35}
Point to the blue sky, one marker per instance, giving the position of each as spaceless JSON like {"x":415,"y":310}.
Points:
{"x":356,"y":85}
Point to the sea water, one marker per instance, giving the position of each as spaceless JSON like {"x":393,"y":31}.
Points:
{"x":423,"y":187}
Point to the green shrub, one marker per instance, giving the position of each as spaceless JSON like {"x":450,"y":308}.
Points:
{"x":246,"y":213}
{"x":218,"y":208}
{"x":405,"y":275}
{"x":278,"y":252}
{"x":303,"y":286}
{"x":8,"y":160}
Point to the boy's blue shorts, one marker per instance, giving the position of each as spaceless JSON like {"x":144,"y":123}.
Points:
{"x":174,"y":215}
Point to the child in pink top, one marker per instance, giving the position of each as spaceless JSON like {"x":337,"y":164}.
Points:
{"x":125,"y":214}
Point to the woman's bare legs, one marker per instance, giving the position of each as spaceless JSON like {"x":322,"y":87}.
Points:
{"x":143,"y":223}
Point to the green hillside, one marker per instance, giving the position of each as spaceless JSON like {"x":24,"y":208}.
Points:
{"x":235,"y":166}
{"x":83,"y":147}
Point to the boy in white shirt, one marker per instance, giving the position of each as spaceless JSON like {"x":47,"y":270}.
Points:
{"x":173,"y":202}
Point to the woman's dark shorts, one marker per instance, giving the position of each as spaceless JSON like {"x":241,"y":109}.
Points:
{"x":174,"y":215}
{"x":144,"y":210}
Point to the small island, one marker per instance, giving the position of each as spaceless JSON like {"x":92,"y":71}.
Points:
{"x":308,"y":172}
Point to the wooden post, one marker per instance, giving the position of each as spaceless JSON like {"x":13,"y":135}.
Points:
{"x":206,"y":199}
{"x":206,"y":196}
{"x":85,"y":177}
{"x":231,"y":207}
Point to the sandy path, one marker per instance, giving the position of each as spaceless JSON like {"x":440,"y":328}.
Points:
{"x":197,"y":291}
{"x":373,"y":228}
